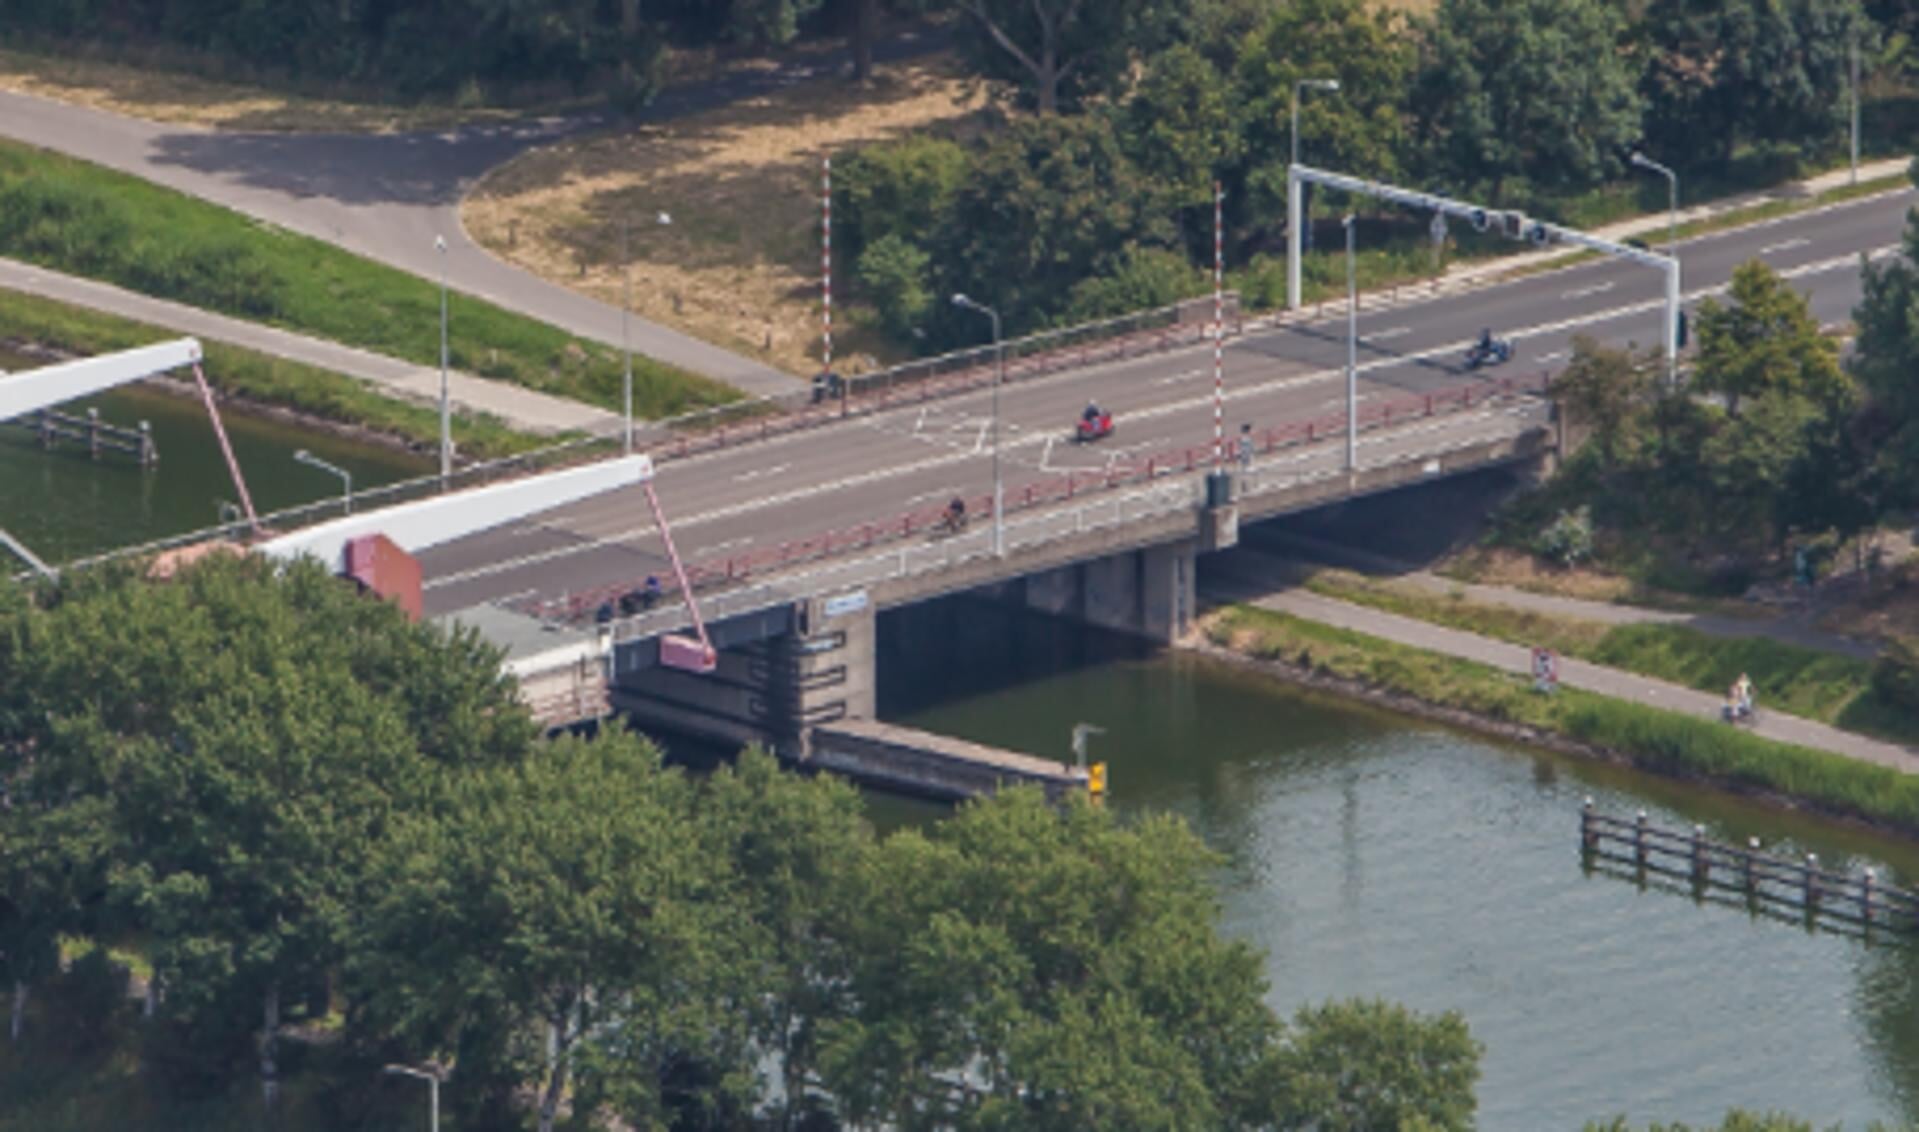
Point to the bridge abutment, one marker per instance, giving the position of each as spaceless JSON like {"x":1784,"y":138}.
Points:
{"x":1147,"y":592}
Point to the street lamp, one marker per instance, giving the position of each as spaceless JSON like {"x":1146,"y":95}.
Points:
{"x":1854,"y":67}
{"x":346,"y":477}
{"x":626,"y":347}
{"x":1672,"y":249}
{"x":446,"y":412}
{"x":433,"y":1095}
{"x":20,"y":548}
{"x":999,"y":378}
{"x":1301,"y":85}
{"x":1352,"y":348}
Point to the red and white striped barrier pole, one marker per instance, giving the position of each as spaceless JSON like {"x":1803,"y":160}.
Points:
{"x":826,"y":271}
{"x":1219,"y":328}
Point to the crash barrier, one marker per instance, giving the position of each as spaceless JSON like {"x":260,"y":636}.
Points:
{"x":608,"y":600}
{"x":1765,"y":882}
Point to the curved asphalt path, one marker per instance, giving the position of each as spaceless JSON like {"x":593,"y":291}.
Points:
{"x":386,"y":196}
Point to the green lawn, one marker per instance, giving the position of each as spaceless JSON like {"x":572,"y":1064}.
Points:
{"x":319,"y":393}
{"x":1662,"y":741}
{"x":79,"y":218}
{"x":1790,"y":678}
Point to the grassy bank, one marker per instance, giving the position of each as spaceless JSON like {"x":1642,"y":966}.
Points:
{"x":1661,"y":741}
{"x":82,"y":219}
{"x":1791,"y":678}
{"x":304,"y":389}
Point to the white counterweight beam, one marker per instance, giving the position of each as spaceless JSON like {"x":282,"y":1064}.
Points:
{"x":42,"y":388}
{"x":443,"y":518}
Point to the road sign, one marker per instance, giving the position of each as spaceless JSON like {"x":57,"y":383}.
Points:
{"x":1545,"y":670}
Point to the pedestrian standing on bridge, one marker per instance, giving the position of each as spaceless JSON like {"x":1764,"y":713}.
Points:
{"x":1246,"y":447}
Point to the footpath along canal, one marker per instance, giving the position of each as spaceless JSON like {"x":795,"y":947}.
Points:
{"x":65,"y":505}
{"x":1370,"y":854}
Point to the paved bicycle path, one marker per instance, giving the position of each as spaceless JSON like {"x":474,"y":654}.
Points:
{"x":517,"y":406}
{"x":1573,"y":673}
{"x":388,"y":196}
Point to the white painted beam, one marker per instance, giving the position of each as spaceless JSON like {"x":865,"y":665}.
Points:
{"x":443,"y":518}
{"x":42,"y":388}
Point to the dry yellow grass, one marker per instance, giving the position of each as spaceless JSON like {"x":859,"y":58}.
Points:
{"x":739,"y":265}
{"x":1498,"y":566}
{"x":161,"y":95}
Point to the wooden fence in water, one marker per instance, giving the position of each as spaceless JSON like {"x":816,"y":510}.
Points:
{"x":53,"y":427}
{"x":1768,"y":882}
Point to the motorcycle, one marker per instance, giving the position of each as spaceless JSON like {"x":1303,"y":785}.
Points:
{"x":1489,"y":354}
{"x":1093,"y":426}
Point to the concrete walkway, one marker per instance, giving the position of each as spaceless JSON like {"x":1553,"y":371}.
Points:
{"x":519,"y":407}
{"x":1764,"y":623}
{"x":1573,"y":673}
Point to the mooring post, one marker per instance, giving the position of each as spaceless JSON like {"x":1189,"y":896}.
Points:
{"x":1588,"y":834}
{"x":45,"y":426}
{"x":93,"y":433}
{"x":1812,"y":884}
{"x":149,"y":455}
{"x":1745,"y":862}
{"x":1865,"y":896}
{"x":1699,"y":866}
{"x":1639,"y":839}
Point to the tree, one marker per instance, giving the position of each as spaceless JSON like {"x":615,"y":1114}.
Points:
{"x":1885,"y":358}
{"x":1764,"y":341}
{"x":566,"y":908}
{"x":902,"y":189}
{"x":1723,"y":72}
{"x":1057,"y":53}
{"x":1360,"y":129}
{"x":1100,"y":996}
{"x":1180,"y":129}
{"x":1606,"y":391}
{"x":1360,"y":1066}
{"x":1142,"y":279}
{"x":894,"y":275}
{"x":1049,"y":202}
{"x":1536,"y":96}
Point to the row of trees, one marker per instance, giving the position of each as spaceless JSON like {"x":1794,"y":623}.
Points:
{"x":1102,"y":202}
{"x":298,"y":809}
{"x":1773,"y":440}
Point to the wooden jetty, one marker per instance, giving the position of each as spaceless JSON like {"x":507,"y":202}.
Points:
{"x":53,"y":427}
{"x":1781,"y":886}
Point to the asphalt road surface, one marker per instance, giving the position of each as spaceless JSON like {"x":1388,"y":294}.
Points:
{"x":881,"y":466}
{"x":387,"y":196}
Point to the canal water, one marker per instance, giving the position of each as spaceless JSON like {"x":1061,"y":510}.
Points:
{"x":64,"y":505}
{"x":1373,"y":855}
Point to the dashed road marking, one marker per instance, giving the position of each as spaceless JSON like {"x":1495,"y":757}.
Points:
{"x":1586,"y":292}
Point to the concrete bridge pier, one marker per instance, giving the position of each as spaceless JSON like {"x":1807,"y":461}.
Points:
{"x":1147,"y":592}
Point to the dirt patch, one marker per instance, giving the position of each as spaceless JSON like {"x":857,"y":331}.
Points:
{"x":739,"y":265}
{"x":162,"y":95}
{"x":1499,"y":566}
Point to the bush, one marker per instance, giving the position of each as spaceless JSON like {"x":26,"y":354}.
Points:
{"x":83,"y":1003}
{"x":1895,"y":675}
{"x":893,"y":276}
{"x":899,"y":190}
{"x":1143,"y":278}
{"x":1568,"y":539}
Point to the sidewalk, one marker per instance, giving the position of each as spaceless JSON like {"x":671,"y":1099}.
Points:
{"x":521,"y":408}
{"x":1573,"y":673}
{"x":1778,"y":627}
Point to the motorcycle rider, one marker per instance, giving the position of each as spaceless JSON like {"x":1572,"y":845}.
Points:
{"x":1485,"y":340}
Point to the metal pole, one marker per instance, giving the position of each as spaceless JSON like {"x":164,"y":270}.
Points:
{"x":1352,"y":350}
{"x":433,"y":1104}
{"x":1672,"y":323}
{"x":26,"y":555}
{"x":1219,"y":327}
{"x":1292,"y":237}
{"x":1855,"y":106}
{"x":446,"y":413}
{"x":626,"y":345}
{"x":999,"y":491}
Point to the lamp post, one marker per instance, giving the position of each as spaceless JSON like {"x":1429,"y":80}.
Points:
{"x":999,"y":378}
{"x":433,"y":1091}
{"x":1352,"y":347}
{"x":1299,"y":86}
{"x":626,"y":346}
{"x":446,"y":412}
{"x":346,"y":477}
{"x":20,"y":548}
{"x":1854,"y":67}
{"x":1672,"y":249}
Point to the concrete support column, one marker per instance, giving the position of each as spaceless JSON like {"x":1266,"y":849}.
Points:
{"x":1054,"y":591}
{"x":830,"y":666}
{"x":1111,"y":595}
{"x":1168,"y":594}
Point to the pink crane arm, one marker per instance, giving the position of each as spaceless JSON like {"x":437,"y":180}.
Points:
{"x":678,"y":651}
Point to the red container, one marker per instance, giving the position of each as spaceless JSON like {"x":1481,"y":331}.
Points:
{"x":379,"y":565}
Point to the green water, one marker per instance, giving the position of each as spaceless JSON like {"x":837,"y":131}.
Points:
{"x":1369,"y":854}
{"x":64,"y":505}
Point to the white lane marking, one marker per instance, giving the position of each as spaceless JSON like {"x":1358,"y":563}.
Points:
{"x":979,"y":443}
{"x":1291,"y":381}
{"x":720,"y":546}
{"x":758,"y":473}
{"x":1188,"y":375}
{"x":1784,"y":245}
{"x":1586,"y":292}
{"x":1382,"y":335}
{"x":939,"y":493}
{"x":1046,"y":457}
{"x":1554,"y":356}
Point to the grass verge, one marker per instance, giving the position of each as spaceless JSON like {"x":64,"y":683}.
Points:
{"x":1660,"y":741}
{"x":256,"y":377}
{"x":1790,"y":678}
{"x":79,"y":218}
